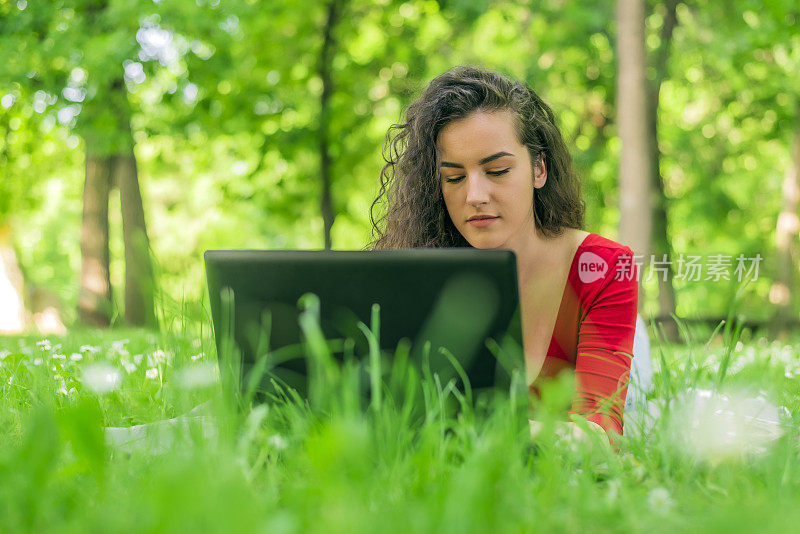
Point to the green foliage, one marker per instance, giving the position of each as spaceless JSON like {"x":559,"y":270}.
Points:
{"x":221,"y":100}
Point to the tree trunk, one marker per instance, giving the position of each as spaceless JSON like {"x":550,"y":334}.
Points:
{"x":94,"y":300}
{"x":783,"y":290}
{"x":326,"y":57}
{"x":139,"y":280}
{"x":13,"y":314}
{"x":662,"y":246}
{"x":635,"y":182}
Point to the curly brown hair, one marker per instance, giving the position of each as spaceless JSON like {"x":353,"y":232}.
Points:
{"x":416,"y":215}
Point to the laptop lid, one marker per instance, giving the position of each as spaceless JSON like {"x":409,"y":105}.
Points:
{"x":456,"y":298}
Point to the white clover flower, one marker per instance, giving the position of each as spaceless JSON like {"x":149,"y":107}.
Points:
{"x":659,"y":500}
{"x":277,"y":442}
{"x":76,"y":357}
{"x":197,"y":376}
{"x":613,"y":490}
{"x":101,"y":377}
{"x":151,"y":373}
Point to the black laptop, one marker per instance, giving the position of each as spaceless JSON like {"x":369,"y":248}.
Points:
{"x":461,"y":299}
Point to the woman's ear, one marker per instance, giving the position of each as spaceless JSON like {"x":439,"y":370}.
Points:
{"x":539,"y":172}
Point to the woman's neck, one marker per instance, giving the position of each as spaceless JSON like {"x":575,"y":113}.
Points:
{"x":539,"y":256}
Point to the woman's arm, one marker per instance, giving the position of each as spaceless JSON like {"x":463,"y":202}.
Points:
{"x":569,"y":430}
{"x":605,"y":347}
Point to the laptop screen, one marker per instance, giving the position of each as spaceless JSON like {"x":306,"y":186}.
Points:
{"x":456,"y":298}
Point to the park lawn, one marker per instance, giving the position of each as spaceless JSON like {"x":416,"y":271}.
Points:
{"x":339,"y":465}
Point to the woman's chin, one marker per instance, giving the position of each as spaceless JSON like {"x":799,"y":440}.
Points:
{"x":485,"y":243}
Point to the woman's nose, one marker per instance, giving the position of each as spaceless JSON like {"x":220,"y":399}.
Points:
{"x":477,"y":189}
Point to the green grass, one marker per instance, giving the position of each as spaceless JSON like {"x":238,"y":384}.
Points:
{"x":398,"y":462}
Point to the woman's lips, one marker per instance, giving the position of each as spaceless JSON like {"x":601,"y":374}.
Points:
{"x":482,"y":223}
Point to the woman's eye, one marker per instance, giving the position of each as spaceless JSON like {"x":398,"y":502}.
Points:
{"x":456,"y":179}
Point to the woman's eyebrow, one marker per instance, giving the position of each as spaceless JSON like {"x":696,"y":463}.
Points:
{"x":484,"y":161}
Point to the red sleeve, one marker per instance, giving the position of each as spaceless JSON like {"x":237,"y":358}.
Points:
{"x":605,"y":345}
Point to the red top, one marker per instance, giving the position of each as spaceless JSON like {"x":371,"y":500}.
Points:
{"x":593,"y":334}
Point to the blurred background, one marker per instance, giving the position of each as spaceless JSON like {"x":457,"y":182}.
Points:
{"x":136,"y":135}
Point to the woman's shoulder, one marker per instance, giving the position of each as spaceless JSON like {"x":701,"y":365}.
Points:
{"x":600,"y":258}
{"x":598,"y":243}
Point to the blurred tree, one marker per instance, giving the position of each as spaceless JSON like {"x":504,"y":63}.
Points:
{"x":786,"y":238}
{"x":635,"y":183}
{"x":75,"y":50}
{"x":335,"y":8}
{"x":661,"y":244}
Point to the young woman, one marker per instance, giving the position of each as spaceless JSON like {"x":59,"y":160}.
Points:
{"x":480,"y":162}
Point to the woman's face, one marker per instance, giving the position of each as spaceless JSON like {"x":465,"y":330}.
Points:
{"x":487,"y":172}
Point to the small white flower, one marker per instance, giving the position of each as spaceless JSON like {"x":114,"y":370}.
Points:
{"x":37,"y":361}
{"x":3,"y":354}
{"x":44,"y":344}
{"x":129,"y":367}
{"x":151,"y":373}
{"x":101,"y":377}
{"x":137,"y":359}
{"x":659,"y":500}
{"x":198,"y":356}
{"x":89,"y":348}
{"x":277,"y":442}
{"x":197,"y":376}
{"x":60,"y":356}
{"x":76,"y":357}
